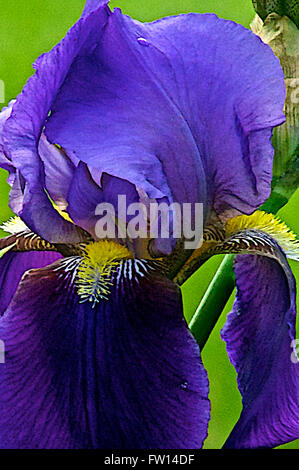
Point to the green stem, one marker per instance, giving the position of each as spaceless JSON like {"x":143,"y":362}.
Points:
{"x":213,"y":302}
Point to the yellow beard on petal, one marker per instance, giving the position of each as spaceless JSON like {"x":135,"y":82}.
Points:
{"x":99,"y":262}
{"x":269,"y":224}
{"x":242,"y":234}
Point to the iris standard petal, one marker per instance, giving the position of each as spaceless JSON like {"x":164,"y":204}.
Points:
{"x":259,"y":334}
{"x":12,"y":267}
{"x":229,"y":87}
{"x":171,"y":104}
{"x":21,"y":133}
{"x":120,"y":120}
{"x":125,"y":374}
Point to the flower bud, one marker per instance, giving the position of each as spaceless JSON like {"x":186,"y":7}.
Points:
{"x":282,"y":35}
{"x":288,"y":8}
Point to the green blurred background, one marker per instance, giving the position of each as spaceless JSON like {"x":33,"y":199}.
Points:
{"x":29,"y":28}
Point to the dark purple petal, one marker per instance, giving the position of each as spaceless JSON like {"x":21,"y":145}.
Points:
{"x":12,"y":267}
{"x":259,"y":333}
{"x":22,"y":130}
{"x":125,"y":374}
{"x":165,"y":104}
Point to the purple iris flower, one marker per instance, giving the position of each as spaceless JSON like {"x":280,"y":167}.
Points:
{"x":97,"y":351}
